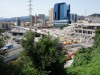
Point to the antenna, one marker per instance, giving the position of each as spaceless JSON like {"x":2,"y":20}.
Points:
{"x":30,"y":12}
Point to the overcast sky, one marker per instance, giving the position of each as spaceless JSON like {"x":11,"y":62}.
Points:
{"x":17,"y":8}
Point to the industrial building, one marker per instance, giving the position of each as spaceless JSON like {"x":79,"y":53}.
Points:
{"x":93,"y":19}
{"x":82,"y":32}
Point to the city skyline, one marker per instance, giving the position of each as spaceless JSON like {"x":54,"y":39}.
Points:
{"x":17,"y":8}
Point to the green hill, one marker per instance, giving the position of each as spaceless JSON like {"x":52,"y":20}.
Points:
{"x":95,"y":15}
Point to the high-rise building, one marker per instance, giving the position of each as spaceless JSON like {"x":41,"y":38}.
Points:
{"x":61,"y":14}
{"x":73,"y":17}
{"x":51,"y":16}
{"x":18,"y":21}
{"x":41,"y":16}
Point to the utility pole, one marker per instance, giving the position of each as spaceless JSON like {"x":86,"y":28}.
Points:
{"x":85,"y":13}
{"x":30,"y":12}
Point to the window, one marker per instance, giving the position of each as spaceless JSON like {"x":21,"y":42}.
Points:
{"x":54,"y":15}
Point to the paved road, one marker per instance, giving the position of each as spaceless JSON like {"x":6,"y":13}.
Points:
{"x":13,"y":52}
{"x":12,"y":55}
{"x":16,"y":50}
{"x":11,"y":41}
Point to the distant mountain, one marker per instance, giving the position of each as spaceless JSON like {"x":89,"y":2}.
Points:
{"x":22,"y":18}
{"x":1,"y":18}
{"x":95,"y":15}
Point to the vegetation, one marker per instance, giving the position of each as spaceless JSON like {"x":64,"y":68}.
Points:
{"x":62,"y":26}
{"x":45,"y":58}
{"x":38,"y":58}
{"x":42,"y":57}
{"x":95,"y":15}
{"x":2,"y":43}
{"x":5,"y":69}
{"x":87,"y":60}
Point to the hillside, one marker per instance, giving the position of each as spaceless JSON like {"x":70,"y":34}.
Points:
{"x":95,"y":15}
{"x":14,"y":18}
{"x":87,"y":60}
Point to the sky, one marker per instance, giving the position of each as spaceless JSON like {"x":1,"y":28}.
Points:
{"x":17,"y":8}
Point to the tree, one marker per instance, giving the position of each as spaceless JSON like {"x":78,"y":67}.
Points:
{"x":5,"y":69}
{"x":2,"y":43}
{"x":2,"y":53}
{"x":44,"y":54}
{"x":87,"y":60}
{"x":61,"y":27}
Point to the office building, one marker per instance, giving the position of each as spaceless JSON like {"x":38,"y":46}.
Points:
{"x":73,"y":17}
{"x":61,"y":14}
{"x":18,"y":22}
{"x":51,"y":16}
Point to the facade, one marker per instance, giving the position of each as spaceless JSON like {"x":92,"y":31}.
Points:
{"x":86,"y":31}
{"x":18,"y":22}
{"x":41,"y":21}
{"x":73,"y":17}
{"x":5,"y":25}
{"x":87,"y":28}
{"x":83,"y":33}
{"x":61,"y":14}
{"x":51,"y":16}
{"x":41,"y":16}
{"x":93,"y":19}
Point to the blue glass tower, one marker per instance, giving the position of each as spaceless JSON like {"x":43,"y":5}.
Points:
{"x":61,"y":13}
{"x":56,"y":11}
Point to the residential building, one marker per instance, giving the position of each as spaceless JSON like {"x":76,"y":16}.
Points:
{"x":5,"y":25}
{"x":51,"y":16}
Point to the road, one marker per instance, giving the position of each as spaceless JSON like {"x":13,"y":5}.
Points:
{"x":13,"y":54}
{"x":16,"y":50}
{"x":11,"y":41}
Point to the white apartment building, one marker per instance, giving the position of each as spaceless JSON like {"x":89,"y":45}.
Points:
{"x":51,"y":16}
